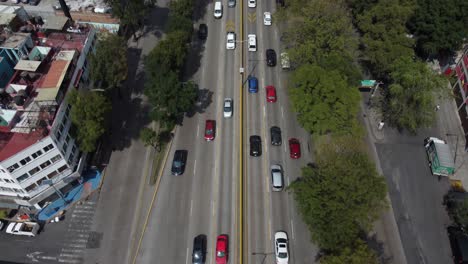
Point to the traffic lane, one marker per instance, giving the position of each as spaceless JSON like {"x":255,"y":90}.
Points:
{"x":416,"y":197}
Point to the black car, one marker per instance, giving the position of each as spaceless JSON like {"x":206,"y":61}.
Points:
{"x":271,"y":57}
{"x":199,"y":249}
{"x":202,"y":31}
{"x":255,"y":146}
{"x":280,"y":2}
{"x":178,"y":163}
{"x":275,"y":136}
{"x":459,"y":244}
{"x":34,"y":2}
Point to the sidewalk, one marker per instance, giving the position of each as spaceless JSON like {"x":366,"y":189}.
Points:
{"x":91,"y":182}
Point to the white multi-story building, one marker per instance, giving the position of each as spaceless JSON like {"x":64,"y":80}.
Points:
{"x":36,"y":134}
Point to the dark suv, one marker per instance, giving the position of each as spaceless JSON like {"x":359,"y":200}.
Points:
{"x":275,"y":136}
{"x":459,"y":244}
{"x":255,"y":146}
{"x":178,"y":163}
{"x":271,"y":57}
{"x":199,"y":249}
{"x":202,"y":31}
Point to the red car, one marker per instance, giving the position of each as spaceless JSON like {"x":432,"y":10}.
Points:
{"x":222,"y":249}
{"x":294,"y":148}
{"x":270,"y":94}
{"x":210,"y":130}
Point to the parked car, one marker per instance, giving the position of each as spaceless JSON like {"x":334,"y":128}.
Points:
{"x":267,"y":19}
{"x":202,"y":31}
{"x":253,"y":84}
{"x":270,"y":94}
{"x":271,"y":57}
{"x":199,"y":249}
{"x":459,"y":244}
{"x":23,"y":229}
{"x":230,"y":40}
{"x":227,"y":108}
{"x":275,"y":133}
{"x":280,"y":3}
{"x":281,"y":247}
{"x":178,"y":163}
{"x":222,"y":249}
{"x":255,"y":146}
{"x":210,"y":130}
{"x":294,"y":148}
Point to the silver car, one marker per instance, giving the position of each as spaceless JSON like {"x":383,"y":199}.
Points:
{"x":276,"y":178}
{"x":227,"y":108}
{"x":231,"y":3}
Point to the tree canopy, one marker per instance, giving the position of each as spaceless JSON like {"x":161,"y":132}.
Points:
{"x":385,"y":37}
{"x":359,"y":253}
{"x":108,"y":65}
{"x":325,"y":103}
{"x":131,"y":12}
{"x":88,"y":113}
{"x":439,"y":26}
{"x":341,"y":196}
{"x":410,"y":100}
{"x":149,"y":137}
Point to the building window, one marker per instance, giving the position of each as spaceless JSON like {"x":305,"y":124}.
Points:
{"x":13,"y":167}
{"x":39,"y":182}
{"x":67,"y":111}
{"x":65,"y":146}
{"x":37,"y":154}
{"x":31,"y":187}
{"x":68,"y":138}
{"x":23,"y":177}
{"x":61,"y":169}
{"x":34,"y":171}
{"x":52,"y":174}
{"x":58,"y":134}
{"x":48,"y":147}
{"x":45,"y":164}
{"x":25,"y":160}
{"x":56,"y":158}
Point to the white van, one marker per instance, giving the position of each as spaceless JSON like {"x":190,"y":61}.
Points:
{"x":252,"y":42}
{"x":218,"y":9}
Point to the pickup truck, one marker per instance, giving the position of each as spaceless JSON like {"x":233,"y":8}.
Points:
{"x":23,"y":229}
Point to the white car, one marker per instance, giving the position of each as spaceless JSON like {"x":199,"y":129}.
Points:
{"x":281,"y":248}
{"x":252,"y":3}
{"x":252,"y":42}
{"x":267,"y":19}
{"x":231,"y":40}
{"x":227,"y":107}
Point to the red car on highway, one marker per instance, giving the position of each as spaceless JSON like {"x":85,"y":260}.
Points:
{"x":270,"y":94}
{"x":294,"y":148}
{"x":210,"y":130}
{"x":222,"y":249}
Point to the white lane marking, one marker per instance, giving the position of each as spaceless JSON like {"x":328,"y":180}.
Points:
{"x":194,"y":166}
{"x":187,"y":258}
{"x":191,"y":207}
{"x":285,"y":148}
{"x":212,"y":208}
{"x":264,"y":111}
{"x":287,"y":179}
{"x":198,"y":130}
{"x":292,"y":229}
{"x":269,"y":228}
{"x":282,"y":112}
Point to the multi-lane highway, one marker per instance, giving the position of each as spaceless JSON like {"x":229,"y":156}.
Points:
{"x":207,"y":198}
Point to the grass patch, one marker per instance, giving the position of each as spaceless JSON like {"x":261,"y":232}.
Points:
{"x":3,"y":213}
{"x":157,"y":162}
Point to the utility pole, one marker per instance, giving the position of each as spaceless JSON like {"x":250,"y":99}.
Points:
{"x":65,"y":9}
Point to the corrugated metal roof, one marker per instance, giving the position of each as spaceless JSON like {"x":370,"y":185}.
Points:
{"x":444,"y":154}
{"x":56,"y":73}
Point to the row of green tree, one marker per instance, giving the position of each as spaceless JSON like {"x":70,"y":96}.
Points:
{"x":169,"y":96}
{"x":91,"y":106}
{"x":341,"y":194}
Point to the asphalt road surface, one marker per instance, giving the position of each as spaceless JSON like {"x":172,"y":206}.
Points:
{"x":205,"y":199}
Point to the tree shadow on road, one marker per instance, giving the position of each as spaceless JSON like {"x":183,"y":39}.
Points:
{"x":204,"y":99}
{"x":199,"y":9}
{"x":378,"y":247}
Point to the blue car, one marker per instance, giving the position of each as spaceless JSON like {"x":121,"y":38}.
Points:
{"x":253,"y":84}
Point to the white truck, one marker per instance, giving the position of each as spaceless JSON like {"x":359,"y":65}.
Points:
{"x":23,"y":229}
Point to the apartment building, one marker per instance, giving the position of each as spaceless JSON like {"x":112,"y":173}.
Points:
{"x":38,"y":153}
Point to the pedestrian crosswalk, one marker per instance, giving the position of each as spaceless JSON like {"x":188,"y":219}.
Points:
{"x":78,"y":232}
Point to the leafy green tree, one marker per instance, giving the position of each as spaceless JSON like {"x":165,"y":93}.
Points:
{"x":410,"y":100}
{"x":168,"y":55}
{"x":88,"y":113}
{"x":149,"y":137}
{"x":325,"y":103}
{"x":170,"y":98}
{"x":439,"y":26}
{"x":461,"y":214}
{"x":183,"y":8}
{"x":341,"y":196}
{"x":359,"y":253}
{"x":108,"y":65}
{"x":385,"y":37}
{"x":179,"y":23}
{"x":131,"y":12}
